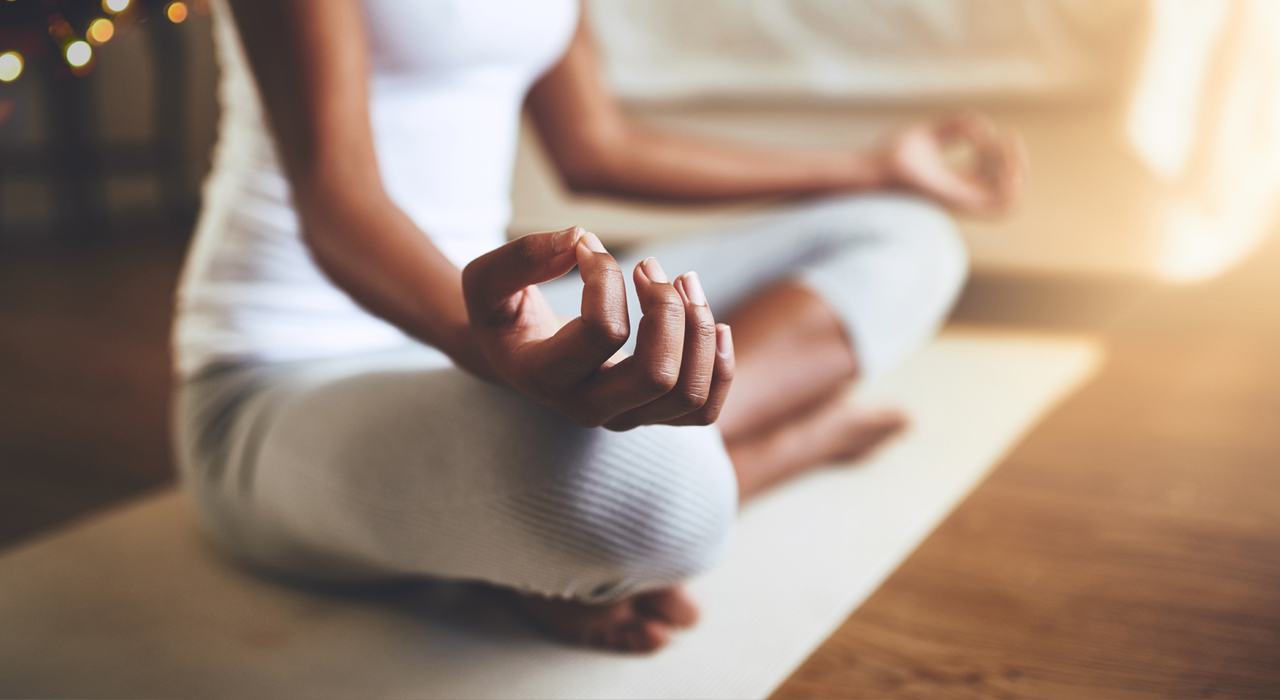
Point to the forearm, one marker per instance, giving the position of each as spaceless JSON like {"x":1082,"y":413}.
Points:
{"x":311,"y":66}
{"x":642,"y":163}
{"x":376,"y":254}
{"x":597,"y":148}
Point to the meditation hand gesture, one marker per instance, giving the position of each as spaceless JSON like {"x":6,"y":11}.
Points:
{"x":961,"y":160}
{"x":683,"y":365}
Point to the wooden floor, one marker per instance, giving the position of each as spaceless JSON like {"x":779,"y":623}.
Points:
{"x":84,"y":380}
{"x":1130,"y":547}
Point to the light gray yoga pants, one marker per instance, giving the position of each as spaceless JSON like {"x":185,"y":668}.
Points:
{"x":395,"y":463}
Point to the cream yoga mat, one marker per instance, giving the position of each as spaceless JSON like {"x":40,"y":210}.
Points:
{"x":134,"y":603}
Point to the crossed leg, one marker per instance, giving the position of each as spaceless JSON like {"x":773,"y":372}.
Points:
{"x":396,"y":463}
{"x":786,"y":414}
{"x":817,"y":297}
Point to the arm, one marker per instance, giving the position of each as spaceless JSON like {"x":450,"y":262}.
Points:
{"x":311,"y":64}
{"x":598,"y":149}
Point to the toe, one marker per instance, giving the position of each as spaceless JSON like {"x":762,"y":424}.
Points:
{"x":650,"y":635}
{"x":890,"y":419}
{"x":638,"y":625}
{"x":673,"y":606}
{"x":633,"y":637}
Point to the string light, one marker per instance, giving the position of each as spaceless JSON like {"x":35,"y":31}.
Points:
{"x":79,"y":53}
{"x":101,"y":31}
{"x":59,"y":28}
{"x":176,"y":11}
{"x":115,"y":6}
{"x":10,"y":66}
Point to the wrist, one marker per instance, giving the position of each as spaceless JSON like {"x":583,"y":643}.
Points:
{"x":861,"y":170}
{"x":874,"y":168}
{"x":460,"y":343}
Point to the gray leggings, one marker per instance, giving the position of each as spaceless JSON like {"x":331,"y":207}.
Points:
{"x":395,"y":463}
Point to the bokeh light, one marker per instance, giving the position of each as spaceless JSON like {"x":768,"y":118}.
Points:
{"x":79,"y":53}
{"x":101,"y":31}
{"x":115,"y":6}
{"x":10,"y":66}
{"x":59,"y":28}
{"x":176,"y":12}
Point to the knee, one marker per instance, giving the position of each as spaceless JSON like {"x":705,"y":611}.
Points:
{"x":921,"y":229}
{"x":937,"y":242}
{"x":654,"y":506}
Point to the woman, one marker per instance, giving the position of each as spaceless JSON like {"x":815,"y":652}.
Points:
{"x":374,"y":385}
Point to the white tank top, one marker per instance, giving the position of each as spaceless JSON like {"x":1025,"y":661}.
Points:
{"x":448,"y":80}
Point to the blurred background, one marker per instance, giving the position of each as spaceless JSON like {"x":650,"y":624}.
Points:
{"x":1153,"y":128}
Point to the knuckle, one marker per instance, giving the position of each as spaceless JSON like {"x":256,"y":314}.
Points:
{"x":608,"y":334}
{"x":690,"y":399}
{"x":609,"y":266}
{"x":705,"y":329}
{"x":710,"y":413}
{"x":658,"y":379}
{"x":667,"y":304}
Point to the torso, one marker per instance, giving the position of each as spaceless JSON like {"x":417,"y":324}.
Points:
{"x":448,"y":81}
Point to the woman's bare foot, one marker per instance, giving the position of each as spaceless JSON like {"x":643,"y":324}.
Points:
{"x":641,"y":623}
{"x":838,"y":431}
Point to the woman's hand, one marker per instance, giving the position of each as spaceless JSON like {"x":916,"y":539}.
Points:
{"x":962,"y":161}
{"x":683,"y":365}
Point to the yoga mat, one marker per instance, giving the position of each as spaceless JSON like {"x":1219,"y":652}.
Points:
{"x":134,"y":603}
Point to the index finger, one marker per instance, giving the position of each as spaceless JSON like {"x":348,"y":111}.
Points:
{"x":492,"y":282}
{"x":585,"y":343}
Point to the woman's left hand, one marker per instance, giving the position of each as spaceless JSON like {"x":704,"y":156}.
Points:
{"x":962,"y":161}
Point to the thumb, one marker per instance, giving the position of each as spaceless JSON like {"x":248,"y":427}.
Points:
{"x":491,"y":283}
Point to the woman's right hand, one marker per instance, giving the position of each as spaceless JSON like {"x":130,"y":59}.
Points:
{"x":683,"y":364}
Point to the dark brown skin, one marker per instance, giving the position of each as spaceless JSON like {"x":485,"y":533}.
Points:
{"x":789,"y":352}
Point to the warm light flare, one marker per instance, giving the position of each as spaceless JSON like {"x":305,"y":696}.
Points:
{"x":79,"y":53}
{"x":10,"y":66}
{"x":101,"y":31}
{"x":176,"y":12}
{"x":115,"y":6}
{"x":1224,"y":201}
{"x":1163,"y":117}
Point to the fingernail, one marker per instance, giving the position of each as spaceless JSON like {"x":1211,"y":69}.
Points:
{"x":593,"y":243}
{"x":653,"y":270}
{"x":724,"y":340}
{"x":564,"y":240}
{"x":693,"y":289}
